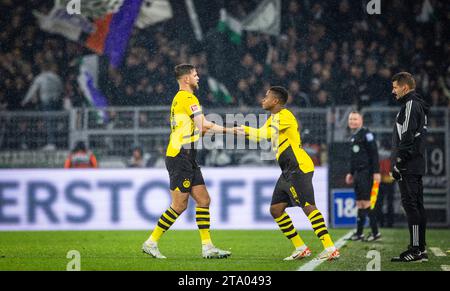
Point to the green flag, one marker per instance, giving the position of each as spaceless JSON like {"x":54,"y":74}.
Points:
{"x":230,"y":26}
{"x":219,"y":91}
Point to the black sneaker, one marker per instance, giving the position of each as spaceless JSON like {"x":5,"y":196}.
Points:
{"x":371,"y":237}
{"x":356,"y":237}
{"x":423,"y":252}
{"x":424,"y":255}
{"x":411,"y":255}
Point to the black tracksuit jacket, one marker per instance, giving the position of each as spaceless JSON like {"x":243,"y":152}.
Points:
{"x":409,"y":136}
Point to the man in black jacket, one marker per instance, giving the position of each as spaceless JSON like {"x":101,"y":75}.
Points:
{"x":408,"y":160}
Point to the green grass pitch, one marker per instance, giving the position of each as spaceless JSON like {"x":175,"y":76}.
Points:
{"x":252,"y":250}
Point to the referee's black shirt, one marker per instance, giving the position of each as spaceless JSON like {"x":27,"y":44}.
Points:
{"x":364,"y":152}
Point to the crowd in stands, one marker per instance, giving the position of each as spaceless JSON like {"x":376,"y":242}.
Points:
{"x":328,"y":53}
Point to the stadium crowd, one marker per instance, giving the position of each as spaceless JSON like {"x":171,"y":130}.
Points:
{"x":328,"y":53}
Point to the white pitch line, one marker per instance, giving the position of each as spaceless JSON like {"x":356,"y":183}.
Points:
{"x":438,"y":252}
{"x":314,"y":263}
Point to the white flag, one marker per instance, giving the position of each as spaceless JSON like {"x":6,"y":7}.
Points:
{"x":88,"y":84}
{"x":93,"y":9}
{"x":59,"y":22}
{"x":426,"y":13}
{"x":154,"y":11}
{"x":266,"y":18}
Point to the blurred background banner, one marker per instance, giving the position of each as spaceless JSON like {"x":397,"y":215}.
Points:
{"x":105,"y":34}
{"x":88,"y":84}
{"x":154,"y":11}
{"x":265,"y":19}
{"x":61,"y":82}
{"x":134,"y":199}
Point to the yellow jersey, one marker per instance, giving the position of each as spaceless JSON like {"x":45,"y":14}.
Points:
{"x":282,"y":130}
{"x":184,"y":133}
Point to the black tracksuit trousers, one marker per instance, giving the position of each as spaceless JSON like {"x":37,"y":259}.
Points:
{"x":411,"y":190}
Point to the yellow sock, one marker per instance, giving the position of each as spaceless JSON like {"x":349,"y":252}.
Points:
{"x":320,"y":229}
{"x":156,"y":234}
{"x":202,"y":218}
{"x":326,"y":241}
{"x":297,"y":241}
{"x":164,"y":223}
{"x":286,"y":226}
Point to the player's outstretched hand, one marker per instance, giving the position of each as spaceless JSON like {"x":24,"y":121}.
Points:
{"x":239,"y":130}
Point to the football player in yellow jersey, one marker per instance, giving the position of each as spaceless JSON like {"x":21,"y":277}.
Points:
{"x":294,"y":187}
{"x":187,"y":123}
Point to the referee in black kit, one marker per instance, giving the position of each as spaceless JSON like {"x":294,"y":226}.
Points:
{"x":364,"y":170}
{"x":408,"y":160}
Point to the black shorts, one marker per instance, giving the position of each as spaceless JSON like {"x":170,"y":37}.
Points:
{"x":183,"y":174}
{"x":295,"y":189}
{"x":363,"y":181}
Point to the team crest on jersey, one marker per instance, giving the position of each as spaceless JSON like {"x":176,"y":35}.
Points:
{"x":186,"y":183}
{"x":356,"y":148}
